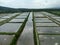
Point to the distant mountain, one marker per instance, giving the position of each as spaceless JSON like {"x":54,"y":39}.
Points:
{"x":7,"y":9}
{"x":4,"y":8}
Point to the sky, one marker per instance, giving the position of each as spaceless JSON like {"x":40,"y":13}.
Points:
{"x":30,"y":3}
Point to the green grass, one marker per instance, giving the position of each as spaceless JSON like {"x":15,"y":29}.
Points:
{"x":7,"y":33}
{"x":55,"y":12}
{"x":36,"y":37}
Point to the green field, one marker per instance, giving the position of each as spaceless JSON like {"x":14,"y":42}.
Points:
{"x":55,"y":12}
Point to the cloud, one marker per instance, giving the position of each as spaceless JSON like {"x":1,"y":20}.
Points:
{"x":30,"y":3}
{"x":6,"y":1}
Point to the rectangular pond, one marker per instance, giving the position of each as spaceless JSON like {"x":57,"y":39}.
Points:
{"x":55,"y":30}
{"x":2,"y":19}
{"x":49,"y":39}
{"x":6,"y":39}
{"x":10,"y":27}
{"x":42,"y":20}
{"x":56,"y":17}
{"x":46,"y":24}
{"x":17,"y":20}
{"x":19,"y":17}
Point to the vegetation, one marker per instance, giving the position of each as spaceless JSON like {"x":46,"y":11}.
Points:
{"x":13,"y":10}
{"x":35,"y":33}
{"x":6,"y":33}
{"x":55,"y":12}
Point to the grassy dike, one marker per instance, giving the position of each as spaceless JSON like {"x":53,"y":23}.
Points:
{"x":18,"y":34}
{"x":36,"y":39}
{"x":6,"y":33}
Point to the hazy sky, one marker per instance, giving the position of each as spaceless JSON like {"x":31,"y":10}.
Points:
{"x":30,"y":3}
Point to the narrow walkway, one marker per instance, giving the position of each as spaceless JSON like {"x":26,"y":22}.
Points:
{"x":27,"y":35}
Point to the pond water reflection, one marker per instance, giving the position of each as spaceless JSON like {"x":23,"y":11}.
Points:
{"x":49,"y":39}
{"x":6,"y":39}
{"x":10,"y":27}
